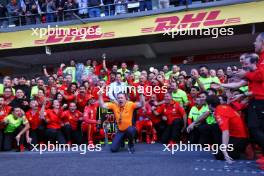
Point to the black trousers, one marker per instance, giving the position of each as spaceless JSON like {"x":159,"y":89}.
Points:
{"x":209,"y":134}
{"x":160,"y":128}
{"x":173,"y":131}
{"x":54,"y":135}
{"x":9,"y":138}
{"x":255,"y":121}
{"x":239,"y":146}
{"x":74,"y":136}
{"x":1,"y":138}
{"x":37,"y":135}
{"x":194,"y":136}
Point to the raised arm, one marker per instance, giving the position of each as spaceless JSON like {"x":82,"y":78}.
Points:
{"x":101,"y":100}
{"x":42,"y":110}
{"x":141,"y":103}
{"x":45,"y":71}
{"x":235,"y":85}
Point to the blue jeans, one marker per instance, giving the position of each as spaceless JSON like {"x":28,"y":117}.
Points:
{"x":182,"y":2}
{"x":49,"y":17}
{"x":129,"y":133}
{"x":109,"y":10}
{"x":146,"y":4}
{"x":94,"y":12}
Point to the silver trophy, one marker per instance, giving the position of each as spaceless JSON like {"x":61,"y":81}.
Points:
{"x":106,"y":127}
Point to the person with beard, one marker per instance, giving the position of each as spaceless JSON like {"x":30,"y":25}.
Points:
{"x":22,"y":86}
{"x":20,"y":100}
{"x":34,"y":89}
{"x":204,"y":81}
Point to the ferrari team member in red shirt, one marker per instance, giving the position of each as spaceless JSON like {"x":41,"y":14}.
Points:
{"x":174,"y":114}
{"x":4,"y":111}
{"x":37,"y":129}
{"x":89,"y":119}
{"x":82,"y":98}
{"x":8,"y":95}
{"x":70,"y":94}
{"x":158,"y":123}
{"x":143,"y":122}
{"x":53,"y":118}
{"x":195,"y":90}
{"x":254,"y":77}
{"x":71,"y":119}
{"x":234,"y":130}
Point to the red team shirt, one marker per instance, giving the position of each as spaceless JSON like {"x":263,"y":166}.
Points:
{"x":33,"y":119}
{"x":72,"y":118}
{"x":172,"y":111}
{"x":54,"y":119}
{"x":228,"y":119}
{"x":3,"y":113}
{"x":256,"y":79}
{"x":90,"y":113}
{"x":81,"y":101}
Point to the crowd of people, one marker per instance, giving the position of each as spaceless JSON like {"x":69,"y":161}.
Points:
{"x":25,"y":12}
{"x":80,"y":102}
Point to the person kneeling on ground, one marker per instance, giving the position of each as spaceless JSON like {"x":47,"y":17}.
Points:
{"x":123,"y":111}
{"x":16,"y":128}
{"x":234,"y":131}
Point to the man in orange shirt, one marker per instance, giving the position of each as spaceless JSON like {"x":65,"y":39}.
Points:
{"x":123,"y":111}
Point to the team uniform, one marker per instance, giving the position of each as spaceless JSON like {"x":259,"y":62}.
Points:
{"x":54,"y":124}
{"x":37,"y":128}
{"x":230,"y":120}
{"x":144,"y":122}
{"x":4,"y":111}
{"x":70,"y":129}
{"x":174,"y":113}
{"x":89,"y":121}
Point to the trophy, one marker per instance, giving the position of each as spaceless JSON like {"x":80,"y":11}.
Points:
{"x":106,"y":127}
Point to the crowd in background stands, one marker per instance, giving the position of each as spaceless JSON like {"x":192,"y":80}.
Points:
{"x":45,"y":11}
{"x":205,"y":106}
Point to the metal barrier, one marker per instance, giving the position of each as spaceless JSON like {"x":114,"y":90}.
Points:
{"x":70,"y":14}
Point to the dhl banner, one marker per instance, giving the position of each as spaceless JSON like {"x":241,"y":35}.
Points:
{"x":223,"y":16}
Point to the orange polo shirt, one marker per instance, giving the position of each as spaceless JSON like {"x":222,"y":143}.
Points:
{"x":123,"y":115}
